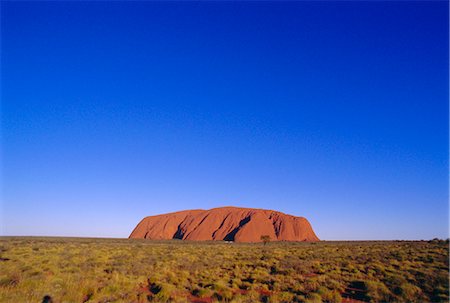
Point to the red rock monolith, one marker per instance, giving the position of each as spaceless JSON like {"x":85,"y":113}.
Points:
{"x":225,"y":223}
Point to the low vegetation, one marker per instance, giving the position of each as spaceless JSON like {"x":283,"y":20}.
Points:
{"x":123,"y":270}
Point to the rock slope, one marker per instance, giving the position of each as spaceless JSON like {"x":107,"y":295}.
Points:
{"x":225,"y":223}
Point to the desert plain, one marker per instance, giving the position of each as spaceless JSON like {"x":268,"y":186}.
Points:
{"x":35,"y":269}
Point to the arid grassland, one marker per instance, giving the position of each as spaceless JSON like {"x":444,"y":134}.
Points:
{"x":122,"y":270}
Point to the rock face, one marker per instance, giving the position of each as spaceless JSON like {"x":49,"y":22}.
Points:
{"x":225,"y":223}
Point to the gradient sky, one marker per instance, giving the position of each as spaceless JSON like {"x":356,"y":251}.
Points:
{"x":336,"y":111}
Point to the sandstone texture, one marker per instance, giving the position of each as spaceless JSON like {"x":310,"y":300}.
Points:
{"x":225,"y":223}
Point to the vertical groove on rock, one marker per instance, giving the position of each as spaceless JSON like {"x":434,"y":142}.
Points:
{"x":230,"y":236}
{"x":221,"y":225}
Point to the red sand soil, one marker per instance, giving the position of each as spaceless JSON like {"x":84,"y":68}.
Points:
{"x":225,"y":223}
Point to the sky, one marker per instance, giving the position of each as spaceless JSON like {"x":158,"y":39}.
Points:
{"x":335,"y":111}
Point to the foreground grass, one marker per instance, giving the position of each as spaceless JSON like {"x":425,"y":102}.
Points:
{"x":123,"y":270}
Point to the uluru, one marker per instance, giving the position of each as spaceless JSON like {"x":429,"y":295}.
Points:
{"x":225,"y":224}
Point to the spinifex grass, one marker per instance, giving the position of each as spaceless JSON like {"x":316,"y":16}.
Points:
{"x":123,"y":270}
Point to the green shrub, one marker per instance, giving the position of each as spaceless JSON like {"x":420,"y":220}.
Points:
{"x":409,"y":293}
{"x":377,"y":292}
{"x":202,"y":292}
{"x":10,"y":281}
{"x":330,"y":296}
{"x":283,"y":297}
{"x":313,"y":298}
{"x":165,"y":293}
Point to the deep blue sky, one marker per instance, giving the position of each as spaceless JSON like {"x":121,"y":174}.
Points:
{"x":336,"y":111}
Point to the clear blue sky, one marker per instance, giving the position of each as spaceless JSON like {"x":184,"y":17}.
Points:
{"x":336,"y":111}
